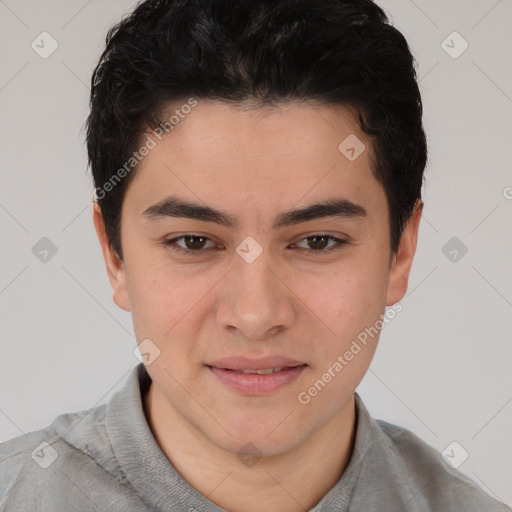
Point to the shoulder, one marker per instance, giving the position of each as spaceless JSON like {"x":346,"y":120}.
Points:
{"x":68,"y":462}
{"x":29,"y":465}
{"x":426,"y":478}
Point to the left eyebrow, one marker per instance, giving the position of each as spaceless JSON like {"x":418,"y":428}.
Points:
{"x":176,"y":207}
{"x":341,"y":208}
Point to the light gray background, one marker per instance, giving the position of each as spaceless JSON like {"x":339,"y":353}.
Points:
{"x":442,"y":368}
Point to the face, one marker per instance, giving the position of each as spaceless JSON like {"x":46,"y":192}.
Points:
{"x":250,"y":282}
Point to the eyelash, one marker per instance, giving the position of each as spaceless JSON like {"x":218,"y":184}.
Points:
{"x":171,"y":244}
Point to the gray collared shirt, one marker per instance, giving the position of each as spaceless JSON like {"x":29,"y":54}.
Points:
{"x":106,"y":459}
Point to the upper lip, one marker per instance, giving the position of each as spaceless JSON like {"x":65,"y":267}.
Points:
{"x":244,"y":363}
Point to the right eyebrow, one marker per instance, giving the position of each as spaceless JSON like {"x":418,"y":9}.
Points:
{"x":176,"y":207}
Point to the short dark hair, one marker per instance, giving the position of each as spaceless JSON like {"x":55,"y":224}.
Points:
{"x":266,"y":52}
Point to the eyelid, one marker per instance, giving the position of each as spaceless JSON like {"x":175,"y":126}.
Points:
{"x":170,"y":242}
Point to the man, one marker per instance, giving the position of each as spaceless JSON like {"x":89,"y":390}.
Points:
{"x":258,"y":170}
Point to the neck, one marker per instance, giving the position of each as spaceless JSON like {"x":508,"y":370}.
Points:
{"x":294,"y":481}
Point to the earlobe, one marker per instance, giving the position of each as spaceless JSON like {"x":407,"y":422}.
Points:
{"x":115,"y":267}
{"x":403,"y":258}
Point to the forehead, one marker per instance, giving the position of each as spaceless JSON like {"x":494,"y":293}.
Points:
{"x":258,"y":156}
{"x":291,"y":129}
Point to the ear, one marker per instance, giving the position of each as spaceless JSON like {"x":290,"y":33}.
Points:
{"x":402,"y":260}
{"x":115,"y":267}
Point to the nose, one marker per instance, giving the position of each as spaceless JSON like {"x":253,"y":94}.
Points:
{"x":256,"y":302}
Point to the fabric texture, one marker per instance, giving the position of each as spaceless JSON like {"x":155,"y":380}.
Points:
{"x":106,"y":459}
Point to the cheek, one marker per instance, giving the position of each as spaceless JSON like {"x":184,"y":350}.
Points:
{"x":344,"y":300}
{"x":160,"y":299}
{"x":169,"y":303}
{"x":345,"y":342}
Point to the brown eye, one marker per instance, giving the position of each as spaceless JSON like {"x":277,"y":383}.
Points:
{"x":191,"y":243}
{"x":318,"y":243}
{"x":194,"y":243}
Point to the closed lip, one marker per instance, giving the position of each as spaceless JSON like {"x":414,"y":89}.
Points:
{"x":245,"y":363}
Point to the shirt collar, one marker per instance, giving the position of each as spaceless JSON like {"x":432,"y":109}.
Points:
{"x":145,"y":465}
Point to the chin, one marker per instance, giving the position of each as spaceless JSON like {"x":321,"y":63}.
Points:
{"x":258,"y":439}
{"x":256,"y":447}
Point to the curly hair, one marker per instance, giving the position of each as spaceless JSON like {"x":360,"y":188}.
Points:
{"x":334,"y":52}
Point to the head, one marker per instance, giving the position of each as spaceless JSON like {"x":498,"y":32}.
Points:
{"x":233,"y":145}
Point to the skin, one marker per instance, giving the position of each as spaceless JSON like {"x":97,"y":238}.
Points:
{"x":255,"y":164}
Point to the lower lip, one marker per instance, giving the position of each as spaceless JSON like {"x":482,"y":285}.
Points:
{"x":255,"y":384}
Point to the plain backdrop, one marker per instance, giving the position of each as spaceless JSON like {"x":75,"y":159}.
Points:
{"x":442,"y":368}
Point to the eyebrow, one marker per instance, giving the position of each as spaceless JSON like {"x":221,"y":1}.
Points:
{"x":176,"y":207}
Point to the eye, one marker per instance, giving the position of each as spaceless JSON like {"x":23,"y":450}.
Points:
{"x":197,"y":243}
{"x":320,"y":240}
{"x":193,"y":243}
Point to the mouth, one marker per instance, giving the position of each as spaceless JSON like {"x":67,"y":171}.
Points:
{"x":266,"y":371}
{"x":254,"y":377}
